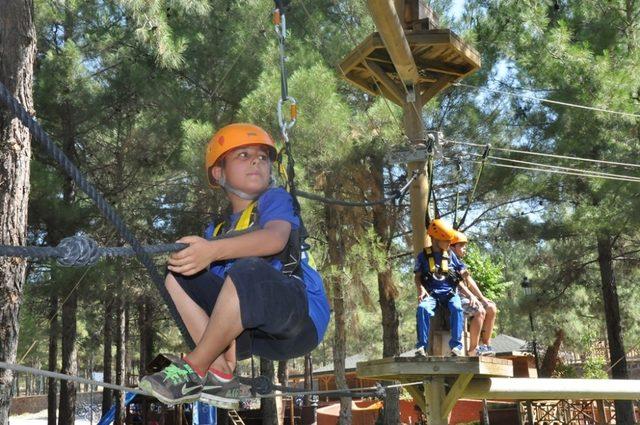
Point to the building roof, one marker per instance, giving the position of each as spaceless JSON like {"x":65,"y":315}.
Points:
{"x":349,"y":364}
{"x":505,"y":343}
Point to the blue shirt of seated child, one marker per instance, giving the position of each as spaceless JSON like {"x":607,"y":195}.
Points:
{"x":277,"y":204}
{"x":442,"y":284}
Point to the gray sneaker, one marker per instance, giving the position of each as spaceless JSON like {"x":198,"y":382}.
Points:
{"x":175,"y":384}
{"x":225,"y":395}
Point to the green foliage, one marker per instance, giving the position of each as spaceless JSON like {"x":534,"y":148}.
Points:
{"x":487,"y":271}
{"x":594,"y":368}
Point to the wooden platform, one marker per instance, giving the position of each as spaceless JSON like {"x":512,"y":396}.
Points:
{"x":444,"y":379}
{"x":415,"y":368}
{"x":441,"y":58}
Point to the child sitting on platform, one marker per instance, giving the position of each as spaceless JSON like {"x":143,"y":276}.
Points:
{"x":437,"y":274}
{"x":248,"y":293}
{"x":482,"y":310}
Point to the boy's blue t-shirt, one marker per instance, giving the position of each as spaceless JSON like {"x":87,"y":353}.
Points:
{"x":444,"y":283}
{"x":277,"y":204}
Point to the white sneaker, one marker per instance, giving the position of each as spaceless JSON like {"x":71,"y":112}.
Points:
{"x":420,"y":352}
{"x":457,"y":352}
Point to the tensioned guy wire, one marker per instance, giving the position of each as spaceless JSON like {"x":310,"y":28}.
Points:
{"x":543,"y":100}
{"x":549,"y":155}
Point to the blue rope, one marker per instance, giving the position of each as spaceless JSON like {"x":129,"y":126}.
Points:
{"x":107,"y":210}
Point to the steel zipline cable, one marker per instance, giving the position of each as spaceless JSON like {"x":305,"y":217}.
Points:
{"x":543,"y":100}
{"x":261,"y":386}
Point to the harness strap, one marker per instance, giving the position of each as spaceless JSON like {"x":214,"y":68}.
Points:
{"x":433,"y":267}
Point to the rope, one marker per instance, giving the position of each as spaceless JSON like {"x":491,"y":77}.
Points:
{"x":262,"y":386}
{"x":107,"y":210}
{"x":543,"y":100}
{"x":80,"y":251}
{"x":64,"y":377}
{"x":397,"y":195}
{"x":485,"y":154}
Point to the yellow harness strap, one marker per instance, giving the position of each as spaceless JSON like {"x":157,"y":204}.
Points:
{"x":244,"y":222}
{"x":444,"y":263}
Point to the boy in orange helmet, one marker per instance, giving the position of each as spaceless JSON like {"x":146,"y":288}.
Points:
{"x":437,"y":274}
{"x":482,"y":310}
{"x":247,"y":293}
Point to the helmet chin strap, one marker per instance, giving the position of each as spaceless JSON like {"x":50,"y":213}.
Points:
{"x":242,"y":195}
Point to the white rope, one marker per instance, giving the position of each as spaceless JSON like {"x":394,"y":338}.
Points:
{"x":549,"y":155}
{"x":543,"y":100}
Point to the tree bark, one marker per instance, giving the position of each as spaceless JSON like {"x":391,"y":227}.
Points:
{"x":52,"y":402}
{"x":17,"y":55}
{"x":69,"y":360}
{"x":336,"y":256}
{"x":145,"y":324}
{"x":107,"y":394}
{"x":387,"y":293}
{"x":120,"y":349}
{"x":624,"y":409}
{"x":551,"y":356}
{"x":268,"y":409}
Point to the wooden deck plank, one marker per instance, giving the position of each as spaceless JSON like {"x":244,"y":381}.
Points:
{"x":416,"y":368}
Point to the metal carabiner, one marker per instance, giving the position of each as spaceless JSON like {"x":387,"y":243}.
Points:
{"x":293,"y":114}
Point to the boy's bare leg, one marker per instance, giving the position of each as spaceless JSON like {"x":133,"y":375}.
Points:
{"x":224,"y":326}
{"x":195,"y":319}
{"x":489,"y":321}
{"x":474,"y":330}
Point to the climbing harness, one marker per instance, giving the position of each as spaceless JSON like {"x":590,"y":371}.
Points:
{"x":248,"y":221}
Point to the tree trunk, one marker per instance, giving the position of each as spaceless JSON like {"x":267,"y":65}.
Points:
{"x":69,"y":360}
{"x":145,"y":324}
{"x":52,"y":402}
{"x":336,"y":256}
{"x":551,"y":356}
{"x":624,"y":409}
{"x":268,"y":409}
{"x":17,"y":54}
{"x":107,"y":394}
{"x":120,"y":349}
{"x":283,"y":379}
{"x":387,"y":293}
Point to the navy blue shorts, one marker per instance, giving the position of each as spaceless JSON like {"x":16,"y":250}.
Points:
{"x":273,"y":308}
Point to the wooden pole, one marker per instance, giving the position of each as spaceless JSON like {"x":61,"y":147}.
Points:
{"x":391,"y":30}
{"x":414,"y":129}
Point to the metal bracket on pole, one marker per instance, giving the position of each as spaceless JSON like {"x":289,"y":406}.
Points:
{"x":431,"y":145}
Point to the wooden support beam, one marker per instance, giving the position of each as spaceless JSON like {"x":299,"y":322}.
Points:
{"x":553,"y":389}
{"x":418,"y":396}
{"x":434,"y":396}
{"x":390,"y":28}
{"x":454,"y":394}
{"x":394,"y":90}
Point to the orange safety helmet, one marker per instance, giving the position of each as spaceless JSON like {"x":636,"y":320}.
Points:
{"x":438,"y":229}
{"x":459,"y":238}
{"x":234,"y":136}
